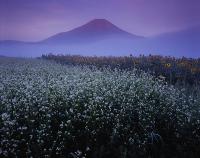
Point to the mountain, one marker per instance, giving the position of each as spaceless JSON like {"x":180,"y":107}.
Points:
{"x":178,"y":43}
{"x":95,"y":30}
{"x":101,"y":37}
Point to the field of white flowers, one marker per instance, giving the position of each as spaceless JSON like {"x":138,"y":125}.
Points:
{"x":53,"y":110}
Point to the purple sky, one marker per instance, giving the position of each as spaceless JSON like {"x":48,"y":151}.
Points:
{"x":32,"y":20}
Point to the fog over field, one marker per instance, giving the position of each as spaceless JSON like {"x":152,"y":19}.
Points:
{"x":102,"y":38}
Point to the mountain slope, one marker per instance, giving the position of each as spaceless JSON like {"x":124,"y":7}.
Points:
{"x":179,"y":43}
{"x":98,"y":29}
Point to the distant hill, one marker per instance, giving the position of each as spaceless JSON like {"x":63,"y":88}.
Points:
{"x":101,"y":37}
{"x":181,"y":43}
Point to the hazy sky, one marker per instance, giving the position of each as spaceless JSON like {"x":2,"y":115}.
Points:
{"x":32,"y":20}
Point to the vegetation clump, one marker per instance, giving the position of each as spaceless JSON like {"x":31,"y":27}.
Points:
{"x":177,"y":71}
{"x":53,"y":110}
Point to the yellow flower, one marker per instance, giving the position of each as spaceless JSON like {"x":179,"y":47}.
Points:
{"x":194,"y":70}
{"x":168,"y":65}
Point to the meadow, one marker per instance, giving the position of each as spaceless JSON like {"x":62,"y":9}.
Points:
{"x":77,"y":110}
{"x":179,"y":71}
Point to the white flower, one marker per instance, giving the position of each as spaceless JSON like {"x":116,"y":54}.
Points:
{"x":5,"y":116}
